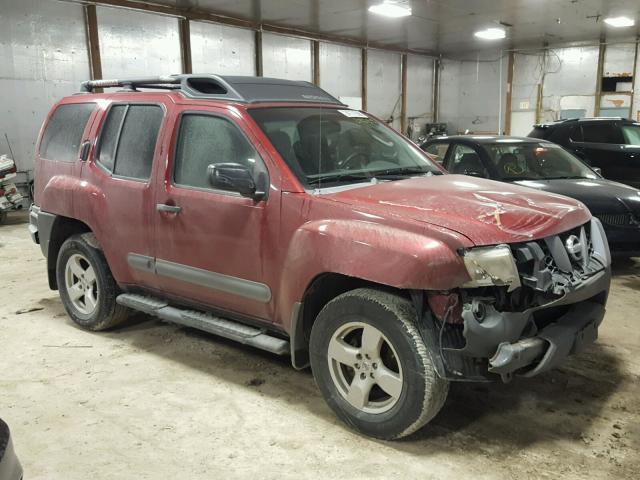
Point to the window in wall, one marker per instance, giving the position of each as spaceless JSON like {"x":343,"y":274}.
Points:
{"x":204,"y":140}
{"x":128,"y":140}
{"x":63,"y":134}
{"x":601,"y":133}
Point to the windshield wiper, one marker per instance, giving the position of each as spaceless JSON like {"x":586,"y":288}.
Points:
{"x":337,"y":177}
{"x":567,"y":177}
{"x":402,"y":172}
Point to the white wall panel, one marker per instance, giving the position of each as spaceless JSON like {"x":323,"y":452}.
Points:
{"x":341,"y":72}
{"x":43,"y":57}
{"x":383,"y":85}
{"x":137,"y":44}
{"x":618,"y":60}
{"x":222,"y":49}
{"x":286,"y":57}
{"x":419,"y":92}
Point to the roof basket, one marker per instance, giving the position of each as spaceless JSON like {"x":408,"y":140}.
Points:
{"x":240,"y":89}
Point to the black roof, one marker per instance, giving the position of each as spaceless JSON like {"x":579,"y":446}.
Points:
{"x":234,"y":88}
{"x":566,"y":121}
{"x":486,"y":139}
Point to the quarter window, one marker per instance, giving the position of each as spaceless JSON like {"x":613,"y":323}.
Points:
{"x":63,"y":134}
{"x":128,"y":140}
{"x":204,"y":140}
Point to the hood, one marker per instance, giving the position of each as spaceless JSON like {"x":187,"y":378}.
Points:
{"x":485,"y":211}
{"x":600,"y":195}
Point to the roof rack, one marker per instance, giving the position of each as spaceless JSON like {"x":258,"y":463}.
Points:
{"x":235,"y":88}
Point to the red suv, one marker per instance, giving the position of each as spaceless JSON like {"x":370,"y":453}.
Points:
{"x":266,"y":211}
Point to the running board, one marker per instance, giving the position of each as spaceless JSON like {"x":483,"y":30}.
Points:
{"x":239,"y":332}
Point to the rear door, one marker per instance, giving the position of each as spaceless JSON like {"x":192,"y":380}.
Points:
{"x":211,"y":244}
{"x":117,"y":193}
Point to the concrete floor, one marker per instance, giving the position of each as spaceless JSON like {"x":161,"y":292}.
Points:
{"x":151,"y":400}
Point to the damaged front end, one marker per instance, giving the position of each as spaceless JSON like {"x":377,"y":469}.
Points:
{"x":527,"y":307}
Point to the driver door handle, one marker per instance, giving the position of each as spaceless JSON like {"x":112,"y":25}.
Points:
{"x":161,"y":207}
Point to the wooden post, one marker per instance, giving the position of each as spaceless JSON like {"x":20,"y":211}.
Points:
{"x":507,"y":114}
{"x":603,"y":46}
{"x":316,"y":62}
{"x":403,"y":94}
{"x":258,"y":53}
{"x":93,"y":42}
{"x":436,"y":90}
{"x":364,"y":79}
{"x":185,"y":45}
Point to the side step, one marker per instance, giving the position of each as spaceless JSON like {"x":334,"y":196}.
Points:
{"x":206,"y":322}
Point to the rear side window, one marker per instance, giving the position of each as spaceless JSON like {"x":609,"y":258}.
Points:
{"x":204,"y":140}
{"x":63,"y":134}
{"x":601,"y":133}
{"x":128,"y":140}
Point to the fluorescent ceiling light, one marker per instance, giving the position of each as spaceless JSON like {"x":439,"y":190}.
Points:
{"x":620,"y":21}
{"x":491,"y":33}
{"x":391,"y":9}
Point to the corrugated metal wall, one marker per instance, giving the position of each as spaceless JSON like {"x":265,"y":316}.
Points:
{"x":43,"y":53}
{"x":43,"y":56}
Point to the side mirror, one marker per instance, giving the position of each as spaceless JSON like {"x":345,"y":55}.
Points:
{"x":237,"y":178}
{"x":598,"y":170}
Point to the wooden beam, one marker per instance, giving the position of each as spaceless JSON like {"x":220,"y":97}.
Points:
{"x":403,"y":94}
{"x":364,"y":78}
{"x":507,"y":114}
{"x":93,"y":42}
{"x":436,"y":90}
{"x":185,"y":45}
{"x":199,"y":14}
{"x":601,"y":51}
{"x":633,"y":114}
{"x":316,"y":62}
{"x":258,"y":45}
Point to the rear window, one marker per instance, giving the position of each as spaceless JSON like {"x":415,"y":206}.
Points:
{"x":128,"y":140}
{"x":63,"y":134}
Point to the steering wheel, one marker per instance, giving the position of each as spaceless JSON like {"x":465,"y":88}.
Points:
{"x":346,"y":163}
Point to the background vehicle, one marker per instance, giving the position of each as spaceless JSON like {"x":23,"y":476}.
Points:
{"x":10,"y":468}
{"x":610,"y":144}
{"x":10,"y":197}
{"x":546,"y":166}
{"x":266,"y":211}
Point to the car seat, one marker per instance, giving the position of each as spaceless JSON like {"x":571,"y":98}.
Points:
{"x":469,"y":162}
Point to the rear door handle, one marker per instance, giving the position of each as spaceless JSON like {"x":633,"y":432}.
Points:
{"x":161,"y":207}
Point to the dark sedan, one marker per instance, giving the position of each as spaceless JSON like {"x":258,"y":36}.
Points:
{"x":546,"y":166}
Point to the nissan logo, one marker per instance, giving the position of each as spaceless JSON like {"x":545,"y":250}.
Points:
{"x":574,"y":247}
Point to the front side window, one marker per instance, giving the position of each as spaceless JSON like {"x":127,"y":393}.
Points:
{"x":601,"y":133}
{"x":63,"y":134}
{"x":329,"y":147}
{"x":465,"y":160}
{"x":205,"y":140}
{"x":128,"y":140}
{"x":535,"y":161}
{"x":631,"y":134}
{"x":438,"y":151}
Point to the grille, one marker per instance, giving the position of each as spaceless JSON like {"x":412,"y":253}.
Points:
{"x":617,"y":219}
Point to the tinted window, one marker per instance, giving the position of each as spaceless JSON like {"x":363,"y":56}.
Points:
{"x":437,"y":150}
{"x":63,"y":135}
{"x":576,"y":134}
{"x":128,"y":140}
{"x":204,"y":140}
{"x":466,"y":160}
{"x":109,"y":137}
{"x":137,"y":143}
{"x":538,"y":132}
{"x":601,"y":133}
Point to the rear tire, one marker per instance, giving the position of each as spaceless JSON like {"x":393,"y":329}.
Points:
{"x":87,"y":288}
{"x":372,"y":366}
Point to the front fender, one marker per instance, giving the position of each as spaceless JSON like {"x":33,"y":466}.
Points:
{"x":373,"y":252}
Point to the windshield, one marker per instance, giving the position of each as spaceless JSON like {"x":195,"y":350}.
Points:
{"x":535,"y":161}
{"x":329,"y":147}
{"x":631,"y":134}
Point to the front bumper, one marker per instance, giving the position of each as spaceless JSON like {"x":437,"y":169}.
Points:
{"x":34,"y":212}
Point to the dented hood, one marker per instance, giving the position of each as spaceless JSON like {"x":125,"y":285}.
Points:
{"x":485,"y":211}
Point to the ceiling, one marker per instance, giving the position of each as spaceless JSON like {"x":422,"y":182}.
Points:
{"x":437,"y":26}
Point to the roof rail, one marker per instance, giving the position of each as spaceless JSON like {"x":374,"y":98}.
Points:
{"x":235,"y":88}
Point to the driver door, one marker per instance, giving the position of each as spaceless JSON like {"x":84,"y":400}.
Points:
{"x":210,"y":243}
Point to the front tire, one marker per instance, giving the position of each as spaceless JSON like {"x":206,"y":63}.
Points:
{"x":87,"y":289}
{"x":372,"y":366}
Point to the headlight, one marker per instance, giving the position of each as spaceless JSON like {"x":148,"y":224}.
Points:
{"x":491,"y":266}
